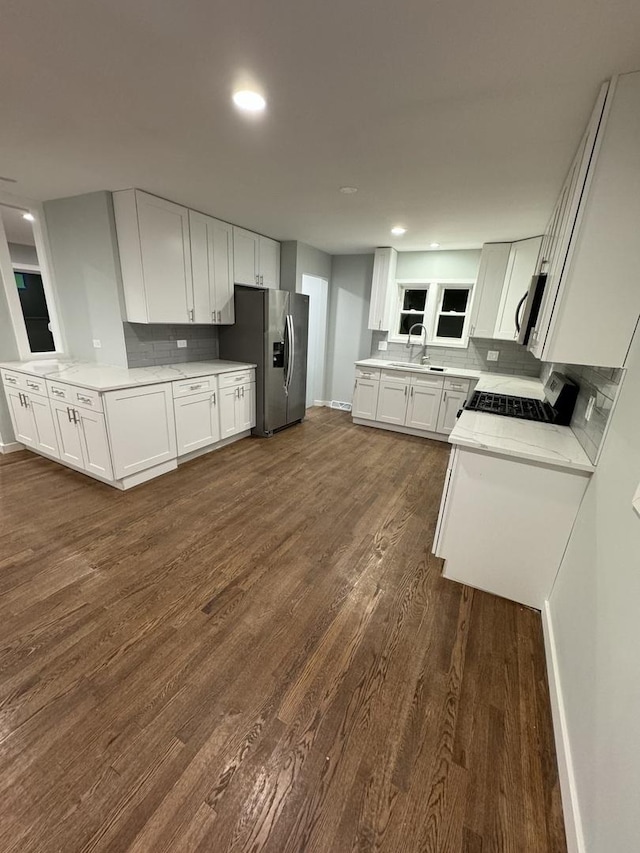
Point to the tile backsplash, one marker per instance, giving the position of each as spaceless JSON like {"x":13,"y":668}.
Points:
{"x":513,"y":358}
{"x":600,"y":382}
{"x":154,"y":344}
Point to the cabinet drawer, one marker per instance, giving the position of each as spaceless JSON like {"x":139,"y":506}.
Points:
{"x":14,"y":380}
{"x":396,"y":376}
{"x":456,"y":385}
{"x":35,"y":385}
{"x":86,"y":398}
{"x":198,"y":385}
{"x":367,"y":372}
{"x":228,"y":380}
{"x":426,"y":380}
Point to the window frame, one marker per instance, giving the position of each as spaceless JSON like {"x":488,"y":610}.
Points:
{"x":435,"y":288}
{"x":44,"y":267}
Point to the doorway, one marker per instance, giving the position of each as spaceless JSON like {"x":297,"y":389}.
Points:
{"x":317,"y":289}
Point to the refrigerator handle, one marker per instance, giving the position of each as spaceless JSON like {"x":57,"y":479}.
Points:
{"x":292,"y":349}
{"x":288,"y":345}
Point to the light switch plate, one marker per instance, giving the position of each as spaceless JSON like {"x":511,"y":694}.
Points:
{"x":97,"y":344}
{"x":181,"y":344}
{"x":383,"y":345}
{"x":493,"y":355}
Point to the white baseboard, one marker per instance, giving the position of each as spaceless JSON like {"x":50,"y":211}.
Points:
{"x":570,"y":805}
{"x":11,"y":447}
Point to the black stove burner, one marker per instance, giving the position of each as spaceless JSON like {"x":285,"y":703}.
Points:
{"x":525,"y":408}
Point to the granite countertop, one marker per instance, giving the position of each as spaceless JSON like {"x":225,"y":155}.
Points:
{"x":459,"y":372}
{"x":105,"y":377}
{"x":544,"y":443}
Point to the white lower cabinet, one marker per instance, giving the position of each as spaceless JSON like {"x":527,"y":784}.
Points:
{"x":365,"y":398}
{"x":141,"y":428}
{"x":452,"y":402}
{"x":237,"y":409}
{"x":392,"y":402}
{"x":32,"y":421}
{"x":423,"y":408}
{"x":197,"y":421}
{"x":504,"y":523}
{"x":82,"y":439}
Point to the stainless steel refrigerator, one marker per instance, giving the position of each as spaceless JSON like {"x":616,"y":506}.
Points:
{"x":271,"y":330}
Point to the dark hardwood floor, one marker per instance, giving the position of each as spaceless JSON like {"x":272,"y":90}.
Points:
{"x":257,"y":653}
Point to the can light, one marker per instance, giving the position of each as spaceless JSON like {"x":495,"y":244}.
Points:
{"x":29,"y":217}
{"x":398,"y":230}
{"x":249,"y":101}
{"x":434,"y":245}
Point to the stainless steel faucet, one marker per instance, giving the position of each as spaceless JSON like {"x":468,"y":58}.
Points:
{"x":425,"y":357}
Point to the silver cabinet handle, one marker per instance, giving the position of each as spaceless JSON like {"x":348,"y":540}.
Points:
{"x":33,"y":385}
{"x":76,"y":417}
{"x":237,"y":393}
{"x":257,"y":279}
{"x":412,"y":390}
{"x":57,"y":392}
{"x":405,"y":390}
{"x":83,"y":399}
{"x":444,"y":397}
{"x":213,"y":398}
{"x":191,"y":313}
{"x":26,"y":401}
{"x":262,"y":280}
{"x":69,"y":415}
{"x":243,"y":392}
{"x":219,"y":316}
{"x":213,"y":316}
{"x":20,"y":396}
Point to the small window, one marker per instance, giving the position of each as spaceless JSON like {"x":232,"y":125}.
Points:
{"x":452,"y":314}
{"x":412,"y":310}
{"x":34,"y":310}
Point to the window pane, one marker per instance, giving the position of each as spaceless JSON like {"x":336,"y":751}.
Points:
{"x":455,"y":299}
{"x":414,"y":300}
{"x":450,"y":327}
{"x":34,"y":311}
{"x":409,"y":320}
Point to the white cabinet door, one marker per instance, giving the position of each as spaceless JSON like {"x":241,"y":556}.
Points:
{"x":94,"y":442}
{"x":424,"y":404}
{"x":246,"y":257}
{"x":197,"y":421}
{"x":246,"y":407}
{"x":228,"y":413}
{"x":166,"y":259}
{"x":488,"y":289}
{"x":392,"y":402}
{"x":521,"y":267}
{"x":365,"y":399}
{"x":382,"y":288}
{"x":45,"y":432}
{"x":141,"y":426}
{"x":212,"y":268}
{"x":21,"y":417}
{"x":67,"y":433}
{"x":452,"y":402}
{"x":269,"y":263}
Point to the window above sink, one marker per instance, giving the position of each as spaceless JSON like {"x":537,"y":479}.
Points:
{"x":443,"y":306}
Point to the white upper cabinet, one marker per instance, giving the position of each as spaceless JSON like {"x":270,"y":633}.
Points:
{"x":488,"y":288}
{"x":521,"y":267}
{"x":591,"y":252}
{"x":256,"y":259}
{"x":212,"y":269}
{"x":155,"y":256}
{"x":382,"y":288}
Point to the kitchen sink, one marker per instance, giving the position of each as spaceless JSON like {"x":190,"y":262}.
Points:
{"x":426,"y":368}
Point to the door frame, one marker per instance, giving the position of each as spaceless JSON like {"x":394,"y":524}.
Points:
{"x":317,"y":289}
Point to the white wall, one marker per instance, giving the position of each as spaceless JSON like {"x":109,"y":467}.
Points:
{"x":298,"y":259}
{"x":23,"y":254}
{"x":595,"y":613}
{"x":87,"y":275}
{"x":349,"y":339}
{"x":462,"y":263}
{"x":8,"y":352}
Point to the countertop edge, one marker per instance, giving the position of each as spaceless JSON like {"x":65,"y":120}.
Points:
{"x":578,"y":467}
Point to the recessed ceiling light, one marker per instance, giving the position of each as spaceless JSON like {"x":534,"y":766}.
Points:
{"x":434,"y":245}
{"x":398,"y":230}
{"x":29,"y":217}
{"x":348,"y":190}
{"x":8,"y":180}
{"x":249,"y":101}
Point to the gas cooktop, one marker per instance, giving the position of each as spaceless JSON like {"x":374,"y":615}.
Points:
{"x":526,"y":408}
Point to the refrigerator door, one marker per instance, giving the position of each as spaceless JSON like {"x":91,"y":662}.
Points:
{"x":296,"y":377}
{"x":274,"y":394}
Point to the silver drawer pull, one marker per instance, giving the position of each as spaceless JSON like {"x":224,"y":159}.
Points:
{"x":84,"y":399}
{"x":57,"y":392}
{"x":33,"y":385}
{"x":195,"y":387}
{"x":11,"y":379}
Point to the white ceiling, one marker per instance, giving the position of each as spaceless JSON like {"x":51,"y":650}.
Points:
{"x":457,"y":119}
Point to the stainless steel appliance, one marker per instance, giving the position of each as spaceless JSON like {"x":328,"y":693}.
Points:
{"x":271,"y":330}
{"x":556,"y":408}
{"x":528,"y":308}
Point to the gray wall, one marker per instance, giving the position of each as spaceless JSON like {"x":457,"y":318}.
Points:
{"x":462,"y":263}
{"x":149,"y":345}
{"x":348,"y":338}
{"x":298,"y":259}
{"x":87,"y":275}
{"x":8,"y":352}
{"x":594,"y":612}
{"x":512,"y":358}
{"x":23,"y":254}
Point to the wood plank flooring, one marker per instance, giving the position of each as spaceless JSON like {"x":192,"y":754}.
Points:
{"x":257,"y":653}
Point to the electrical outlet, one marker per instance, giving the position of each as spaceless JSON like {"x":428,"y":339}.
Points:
{"x":589,"y":409}
{"x":383,"y":345}
{"x":493,"y":355}
{"x":96,"y":343}
{"x":181,"y":344}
